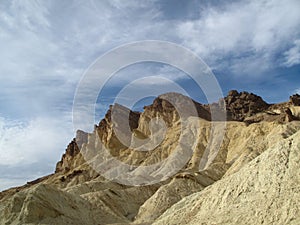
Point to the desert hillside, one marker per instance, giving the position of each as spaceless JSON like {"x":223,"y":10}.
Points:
{"x":236,"y":161}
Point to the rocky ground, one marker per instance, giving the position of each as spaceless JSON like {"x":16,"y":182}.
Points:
{"x":250,"y":177}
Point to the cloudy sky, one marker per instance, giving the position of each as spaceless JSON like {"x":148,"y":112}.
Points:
{"x":46,"y":46}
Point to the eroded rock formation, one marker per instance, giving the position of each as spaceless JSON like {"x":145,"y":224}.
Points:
{"x":252,"y":177}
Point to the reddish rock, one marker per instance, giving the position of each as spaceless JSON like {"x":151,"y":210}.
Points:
{"x":241,"y":105}
{"x":295,"y":100}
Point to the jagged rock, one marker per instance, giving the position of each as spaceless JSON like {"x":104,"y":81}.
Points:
{"x":81,"y":138}
{"x":265,"y":191}
{"x":242,"y":105}
{"x":256,"y":160}
{"x":123,"y":122}
{"x":72,"y":150}
{"x":295,"y":100}
{"x":171,"y":107}
{"x":293,"y":113}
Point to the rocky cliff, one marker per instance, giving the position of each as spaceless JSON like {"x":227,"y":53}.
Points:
{"x":166,"y":166}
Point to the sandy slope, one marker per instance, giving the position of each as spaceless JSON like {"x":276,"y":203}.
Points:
{"x":251,"y":178}
{"x":264,"y":191}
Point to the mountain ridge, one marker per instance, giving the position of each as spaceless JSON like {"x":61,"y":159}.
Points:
{"x":252,"y":127}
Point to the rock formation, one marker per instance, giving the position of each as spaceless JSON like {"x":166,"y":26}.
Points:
{"x":265,"y":191}
{"x":295,"y":112}
{"x":295,"y":100}
{"x":244,"y":104}
{"x":250,"y":177}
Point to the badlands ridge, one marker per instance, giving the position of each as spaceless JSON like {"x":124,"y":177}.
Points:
{"x":234,"y":162}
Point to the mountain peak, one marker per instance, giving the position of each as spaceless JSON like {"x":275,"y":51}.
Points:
{"x":259,"y":138}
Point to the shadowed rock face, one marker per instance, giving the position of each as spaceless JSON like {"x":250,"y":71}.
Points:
{"x":71,"y":151}
{"x":168,"y":104}
{"x":242,"y":105}
{"x":251,"y":179}
{"x":123,"y":119}
{"x":295,"y":100}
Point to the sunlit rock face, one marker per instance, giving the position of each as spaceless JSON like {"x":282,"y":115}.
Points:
{"x":120,"y":173}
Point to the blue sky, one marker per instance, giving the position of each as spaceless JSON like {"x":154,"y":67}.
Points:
{"x":47,"y":45}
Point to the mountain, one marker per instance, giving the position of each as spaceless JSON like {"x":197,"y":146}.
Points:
{"x":236,"y":161}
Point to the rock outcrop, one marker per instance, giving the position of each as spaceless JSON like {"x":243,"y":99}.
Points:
{"x":248,"y":175}
{"x":294,"y":111}
{"x":242,"y":105}
{"x":295,"y":100}
{"x":64,"y":164}
{"x":265,"y":191}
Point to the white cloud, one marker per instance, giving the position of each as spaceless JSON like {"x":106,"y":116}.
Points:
{"x":292,"y":56}
{"x":29,"y":150}
{"x":140,"y":70}
{"x":36,"y":141}
{"x":31,"y":14}
{"x":254,"y":31}
{"x":8,"y":183}
{"x":45,"y":50}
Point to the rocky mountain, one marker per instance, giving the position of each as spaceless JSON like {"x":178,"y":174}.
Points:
{"x":236,"y":161}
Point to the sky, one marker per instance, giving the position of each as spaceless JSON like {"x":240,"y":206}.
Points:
{"x":47,"y":46}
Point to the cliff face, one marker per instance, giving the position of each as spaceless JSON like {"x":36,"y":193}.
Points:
{"x":250,"y":178}
{"x":264,"y":191}
{"x":242,"y":105}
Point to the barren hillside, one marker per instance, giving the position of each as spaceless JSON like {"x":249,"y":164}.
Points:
{"x":190,"y":169}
